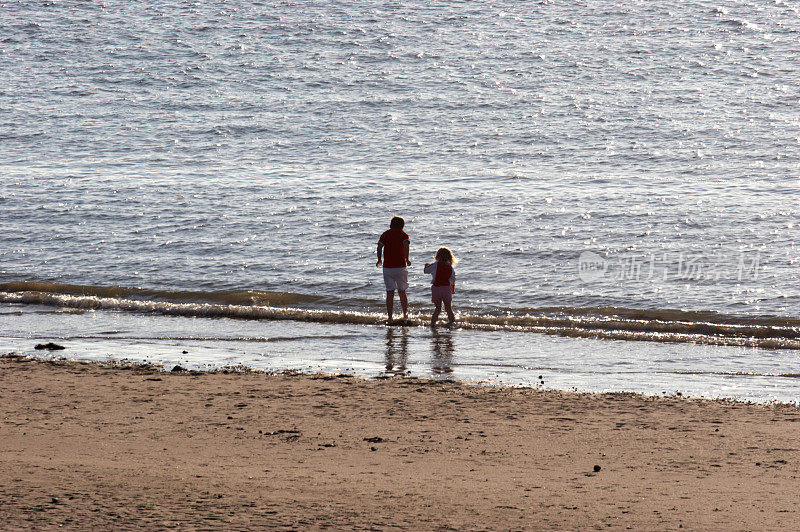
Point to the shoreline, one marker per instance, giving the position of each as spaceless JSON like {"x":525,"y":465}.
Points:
{"x":498,"y":358}
{"x":242,"y":369}
{"x":88,"y":444}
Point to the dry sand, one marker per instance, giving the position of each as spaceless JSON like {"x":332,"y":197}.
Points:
{"x":88,"y":445}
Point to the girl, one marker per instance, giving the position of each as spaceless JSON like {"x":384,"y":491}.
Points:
{"x":444,"y":284}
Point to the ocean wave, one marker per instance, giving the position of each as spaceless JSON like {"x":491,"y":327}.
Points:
{"x":224,"y":297}
{"x":605,"y":323}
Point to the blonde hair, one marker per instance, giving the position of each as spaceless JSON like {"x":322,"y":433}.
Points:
{"x":446,"y":256}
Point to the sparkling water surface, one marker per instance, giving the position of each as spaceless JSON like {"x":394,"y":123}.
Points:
{"x":213,"y":146}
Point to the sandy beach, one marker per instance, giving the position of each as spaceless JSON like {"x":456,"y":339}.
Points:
{"x":91,"y":445}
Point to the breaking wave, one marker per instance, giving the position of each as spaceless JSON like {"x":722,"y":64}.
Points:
{"x":607,"y":323}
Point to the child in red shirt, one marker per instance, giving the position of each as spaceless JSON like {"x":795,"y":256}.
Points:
{"x":443,"y":285}
{"x":394,"y":246}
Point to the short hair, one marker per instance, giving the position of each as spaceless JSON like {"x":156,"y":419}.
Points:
{"x":397,"y":223}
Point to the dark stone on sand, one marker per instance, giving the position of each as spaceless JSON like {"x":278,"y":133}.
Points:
{"x":178,"y":369}
{"x":597,"y":468}
{"x":50,"y":346}
{"x":185,"y":352}
{"x":374,"y":439}
{"x":54,"y":500}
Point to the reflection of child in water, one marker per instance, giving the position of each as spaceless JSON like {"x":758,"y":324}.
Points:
{"x":442,"y":348}
{"x":443,"y":286}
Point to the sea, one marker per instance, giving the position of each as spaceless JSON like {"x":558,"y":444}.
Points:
{"x":203,"y":184}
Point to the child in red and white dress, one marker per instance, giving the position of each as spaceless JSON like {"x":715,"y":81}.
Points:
{"x":444,"y":284}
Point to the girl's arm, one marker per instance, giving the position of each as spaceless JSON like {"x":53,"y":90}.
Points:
{"x":430,"y":268}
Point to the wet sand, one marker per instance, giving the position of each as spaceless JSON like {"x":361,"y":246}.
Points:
{"x":89,"y":445}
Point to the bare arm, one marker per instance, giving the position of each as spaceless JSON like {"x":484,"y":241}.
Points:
{"x":380,"y":255}
{"x":407,"y":247}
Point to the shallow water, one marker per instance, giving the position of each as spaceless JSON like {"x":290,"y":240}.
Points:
{"x":488,"y":357}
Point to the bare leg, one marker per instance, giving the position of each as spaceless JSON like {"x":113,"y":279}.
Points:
{"x":389,"y":304}
{"x":403,"y":303}
{"x":436,"y":314}
{"x":449,"y":308}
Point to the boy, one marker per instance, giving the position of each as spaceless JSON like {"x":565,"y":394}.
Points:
{"x":394,"y":246}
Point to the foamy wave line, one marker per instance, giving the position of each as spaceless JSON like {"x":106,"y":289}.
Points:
{"x":745,"y":335}
{"x":220,"y":297}
{"x":198,"y":310}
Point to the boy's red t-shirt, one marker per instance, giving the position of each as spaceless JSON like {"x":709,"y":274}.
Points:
{"x":394,"y":254}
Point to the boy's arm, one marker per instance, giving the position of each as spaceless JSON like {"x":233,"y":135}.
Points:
{"x":380,"y":253}
{"x":407,"y":247}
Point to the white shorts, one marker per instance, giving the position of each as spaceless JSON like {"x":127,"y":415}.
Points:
{"x":395,"y":279}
